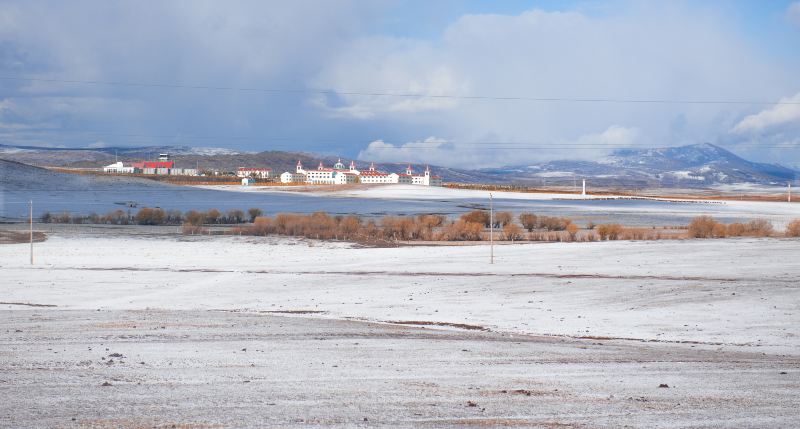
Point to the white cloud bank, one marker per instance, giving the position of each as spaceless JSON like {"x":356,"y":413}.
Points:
{"x":769,"y":119}
{"x":653,"y":51}
{"x":632,"y":50}
{"x":487,"y":154}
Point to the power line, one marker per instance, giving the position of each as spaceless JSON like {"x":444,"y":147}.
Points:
{"x":533,"y":145}
{"x":397,"y":94}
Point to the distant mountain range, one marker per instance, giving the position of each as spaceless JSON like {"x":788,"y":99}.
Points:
{"x":698,"y":165}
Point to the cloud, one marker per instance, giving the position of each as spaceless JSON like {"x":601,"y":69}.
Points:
{"x":355,"y":49}
{"x":769,"y":119}
{"x":793,"y":13}
{"x":439,"y":151}
{"x":667,"y":51}
{"x":431,"y":149}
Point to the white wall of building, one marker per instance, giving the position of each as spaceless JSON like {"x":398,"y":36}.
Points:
{"x":289,"y":177}
{"x":261,"y":173}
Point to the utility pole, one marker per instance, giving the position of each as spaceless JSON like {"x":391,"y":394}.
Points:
{"x":31,"y":229}
{"x":790,"y":192}
{"x":491,"y":229}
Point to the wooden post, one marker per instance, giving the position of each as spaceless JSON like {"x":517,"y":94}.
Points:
{"x":491,"y":229}
{"x":31,"y":229}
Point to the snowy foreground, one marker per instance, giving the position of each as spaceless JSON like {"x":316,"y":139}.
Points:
{"x":245,"y":331}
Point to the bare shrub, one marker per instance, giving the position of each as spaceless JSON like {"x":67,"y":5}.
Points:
{"x":195,"y":218}
{"x":793,"y":228}
{"x":702,"y":227}
{"x":399,"y":228}
{"x":609,"y":231}
{"x":188,"y":229}
{"x":572,"y":230}
{"x":174,"y":217}
{"x":213,"y":216}
{"x":462,"y":230}
{"x":234,"y":216}
{"x":150,"y":216}
{"x":254,"y":213}
{"x":502,"y":219}
{"x":350,"y":226}
{"x":735,"y":229}
{"x":476,"y":216}
{"x":261,"y":225}
{"x":590,"y":225}
{"x":638,"y":234}
{"x":512,"y":232}
{"x":528,"y":221}
{"x":553,"y":223}
{"x":719,"y":230}
{"x":63,"y":217}
{"x":759,"y":228}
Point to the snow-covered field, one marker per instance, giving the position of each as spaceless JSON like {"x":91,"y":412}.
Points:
{"x":732,"y":292}
{"x":159,"y":331}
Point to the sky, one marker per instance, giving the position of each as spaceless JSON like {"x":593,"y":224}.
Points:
{"x":466,"y":84}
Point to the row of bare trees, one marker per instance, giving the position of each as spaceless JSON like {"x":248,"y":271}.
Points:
{"x":471,"y":226}
{"x":708,"y":227}
{"x":156,"y":216}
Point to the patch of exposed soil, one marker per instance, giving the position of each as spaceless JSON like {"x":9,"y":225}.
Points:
{"x":16,"y":237}
{"x":448,"y":324}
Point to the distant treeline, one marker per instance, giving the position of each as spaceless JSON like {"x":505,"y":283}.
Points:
{"x":476,"y":225}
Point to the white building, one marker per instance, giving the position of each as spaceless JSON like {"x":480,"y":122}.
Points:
{"x":247,"y":181}
{"x":290,"y":177}
{"x":118,"y":167}
{"x":339,"y":175}
{"x":374,"y":176}
{"x":425,"y":179}
{"x":259,"y":173}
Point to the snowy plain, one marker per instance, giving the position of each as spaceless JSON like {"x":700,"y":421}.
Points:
{"x":155,"y":329}
{"x":733,"y":293}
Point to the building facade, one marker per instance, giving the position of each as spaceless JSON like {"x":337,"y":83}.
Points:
{"x":259,"y":173}
{"x":118,"y":168}
{"x":341,"y":175}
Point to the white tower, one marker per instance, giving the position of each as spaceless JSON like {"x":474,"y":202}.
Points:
{"x":583,"y":192}
{"x":299,"y":168}
{"x":409,"y":171}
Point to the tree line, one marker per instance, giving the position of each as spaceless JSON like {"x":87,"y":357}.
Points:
{"x":471,"y":226}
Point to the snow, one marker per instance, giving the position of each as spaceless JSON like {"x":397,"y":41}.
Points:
{"x":779,"y":213}
{"x":688,"y":175}
{"x":736,"y":293}
{"x":398,"y":191}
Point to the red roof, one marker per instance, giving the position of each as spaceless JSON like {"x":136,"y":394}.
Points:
{"x":154,"y":164}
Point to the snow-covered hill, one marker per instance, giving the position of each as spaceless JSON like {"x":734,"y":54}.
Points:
{"x":687,"y":166}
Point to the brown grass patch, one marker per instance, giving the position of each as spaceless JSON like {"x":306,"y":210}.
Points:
{"x":16,"y":237}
